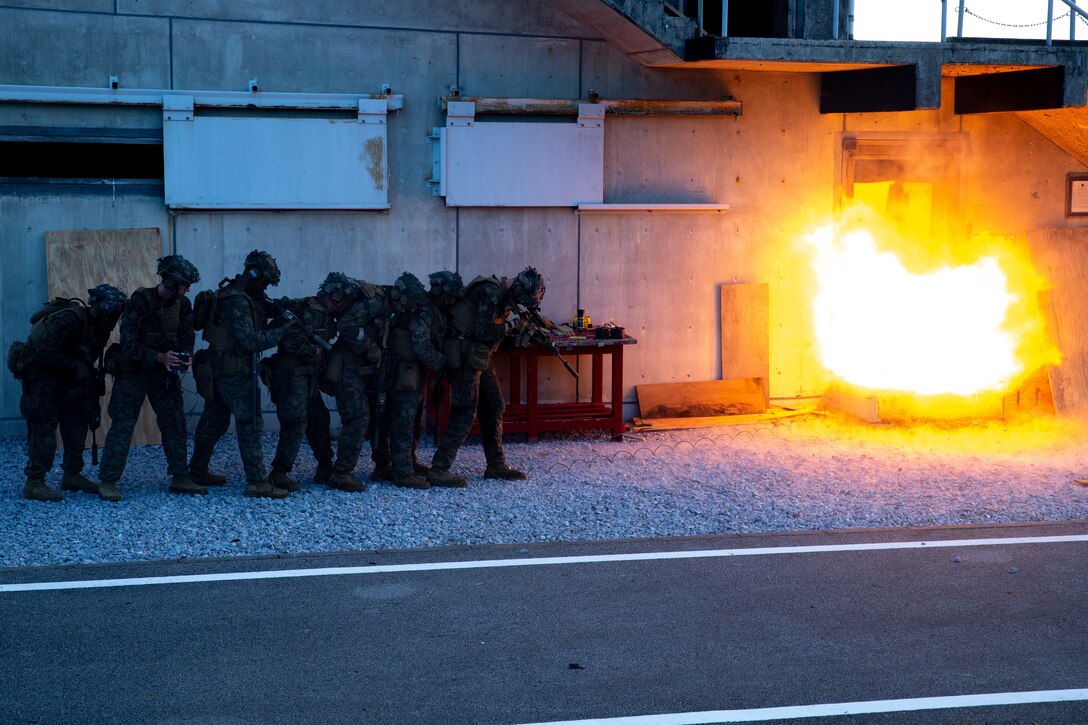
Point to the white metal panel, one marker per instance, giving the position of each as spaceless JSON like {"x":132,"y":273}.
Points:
{"x":523,"y":164}
{"x":275,"y":163}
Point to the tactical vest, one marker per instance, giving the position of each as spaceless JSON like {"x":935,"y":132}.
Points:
{"x":216,"y":333}
{"x":327,"y":331}
{"x":40,"y":319}
{"x":400,"y":338}
{"x":462,"y":314}
{"x":159,"y":328}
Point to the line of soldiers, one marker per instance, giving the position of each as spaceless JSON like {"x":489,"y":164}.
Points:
{"x":368,"y":346}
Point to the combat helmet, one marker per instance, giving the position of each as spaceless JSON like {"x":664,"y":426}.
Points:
{"x":528,"y":288}
{"x":106,"y":300}
{"x":409,"y":290}
{"x":340,"y":287}
{"x":176,"y":270}
{"x":262,"y":264}
{"x":446,"y":283}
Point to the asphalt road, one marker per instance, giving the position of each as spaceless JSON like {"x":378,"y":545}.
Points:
{"x":757,"y":627}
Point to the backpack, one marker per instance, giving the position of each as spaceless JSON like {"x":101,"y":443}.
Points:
{"x":203,"y":308}
{"x":21,"y":354}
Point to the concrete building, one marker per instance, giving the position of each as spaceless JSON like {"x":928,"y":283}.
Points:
{"x":759,"y":141}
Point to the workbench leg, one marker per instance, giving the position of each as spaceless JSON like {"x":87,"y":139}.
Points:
{"x":618,"y":426}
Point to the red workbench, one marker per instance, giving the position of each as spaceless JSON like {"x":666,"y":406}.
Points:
{"x":524,"y":411}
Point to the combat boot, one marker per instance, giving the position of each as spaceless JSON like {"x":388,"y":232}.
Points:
{"x":77,"y":482}
{"x":323,"y":474}
{"x":279,"y":479}
{"x":264,"y":489}
{"x":503,"y":471}
{"x":442,"y":477}
{"x":420,"y":468}
{"x":411,"y":481}
{"x":382,"y":473}
{"x":208,"y":479}
{"x":108,"y":491}
{"x":342,"y":481}
{"x":184,"y":483}
{"x":36,"y":490}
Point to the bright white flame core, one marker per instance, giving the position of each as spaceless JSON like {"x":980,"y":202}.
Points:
{"x":882,"y":327}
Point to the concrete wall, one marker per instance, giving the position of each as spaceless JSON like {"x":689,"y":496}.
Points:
{"x":775,"y":165}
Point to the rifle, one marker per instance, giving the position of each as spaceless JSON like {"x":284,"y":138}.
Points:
{"x":317,"y":339}
{"x":537,"y":330}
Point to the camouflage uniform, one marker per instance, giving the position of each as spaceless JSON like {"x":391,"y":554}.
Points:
{"x":412,"y":341}
{"x":358,"y":353}
{"x":292,"y":377}
{"x":149,"y":327}
{"x":59,"y":389}
{"x":237,"y":332}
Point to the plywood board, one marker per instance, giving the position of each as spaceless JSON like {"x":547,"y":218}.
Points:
{"x":1061,"y":256}
{"x":701,"y":399}
{"x":772,"y":414}
{"x":745,"y":332}
{"x":77,"y":261}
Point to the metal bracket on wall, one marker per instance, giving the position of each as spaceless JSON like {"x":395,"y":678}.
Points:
{"x":569,"y":107}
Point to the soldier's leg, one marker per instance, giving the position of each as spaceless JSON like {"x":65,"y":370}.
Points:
{"x":169,"y":406}
{"x":40,"y":407}
{"x":125,"y":403}
{"x":213,"y":423}
{"x":464,"y":391}
{"x":291,"y":395}
{"x":401,"y":432}
{"x":319,"y":434}
{"x":490,"y":409}
{"x":351,"y":401}
{"x":237,"y":392}
{"x":73,"y":435}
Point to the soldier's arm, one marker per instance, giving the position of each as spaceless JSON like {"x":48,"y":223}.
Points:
{"x":297,"y":341}
{"x":351,"y":331}
{"x":420,"y":328}
{"x":237,"y":317}
{"x":489,"y":316}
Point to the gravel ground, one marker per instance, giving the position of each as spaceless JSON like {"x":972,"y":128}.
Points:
{"x":814,"y":472}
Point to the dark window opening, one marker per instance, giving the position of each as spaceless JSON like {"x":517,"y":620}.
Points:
{"x":75,"y":160}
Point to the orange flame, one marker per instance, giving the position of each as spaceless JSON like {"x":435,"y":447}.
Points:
{"x":932,"y":327}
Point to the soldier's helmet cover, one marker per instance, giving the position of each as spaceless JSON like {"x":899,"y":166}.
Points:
{"x":528,"y":288}
{"x":263,"y":264}
{"x":339,"y":287}
{"x":446,"y":282}
{"x":107,"y":300}
{"x":409,"y":289}
{"x":176,"y":270}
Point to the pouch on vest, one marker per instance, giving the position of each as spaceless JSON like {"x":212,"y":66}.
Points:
{"x":19,"y":358}
{"x":203,"y":375}
{"x":451,"y":348}
{"x":115,"y":362}
{"x":479,"y":356}
{"x":408,"y":377}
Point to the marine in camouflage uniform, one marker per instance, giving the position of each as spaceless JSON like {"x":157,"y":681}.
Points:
{"x":352,"y":377}
{"x":476,"y":326}
{"x":238,"y":330}
{"x":417,"y":329}
{"x":60,"y":387}
{"x":156,"y":327}
{"x":293,"y":372}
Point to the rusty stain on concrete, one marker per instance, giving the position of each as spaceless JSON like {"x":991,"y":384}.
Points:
{"x":373,"y":154}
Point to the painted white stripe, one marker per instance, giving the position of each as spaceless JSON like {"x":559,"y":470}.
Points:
{"x":839,"y":708}
{"x":542,"y":561}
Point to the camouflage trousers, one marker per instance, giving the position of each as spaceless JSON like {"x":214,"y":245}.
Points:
{"x":473,"y":393}
{"x":295,"y":395}
{"x":47,"y":402}
{"x":163,"y":389}
{"x":233,"y":396}
{"x":405,"y":428}
{"x":353,"y":403}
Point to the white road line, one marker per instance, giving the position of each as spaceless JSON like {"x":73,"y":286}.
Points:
{"x":839,"y":708}
{"x":542,"y":561}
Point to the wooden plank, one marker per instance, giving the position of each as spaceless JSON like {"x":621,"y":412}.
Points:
{"x":77,"y":261}
{"x":1061,"y":256}
{"x":771,"y":414}
{"x":746,"y":332}
{"x":710,"y":398}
